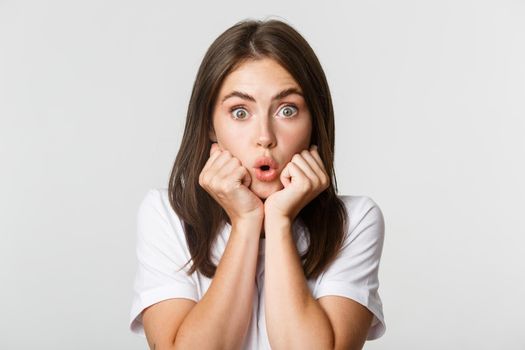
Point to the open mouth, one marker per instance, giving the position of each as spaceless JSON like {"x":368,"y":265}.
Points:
{"x":266,"y":169}
{"x":266,"y":173}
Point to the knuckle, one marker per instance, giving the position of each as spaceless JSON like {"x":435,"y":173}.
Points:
{"x":307,"y":186}
{"x":235,"y":161}
{"x":212,"y":184}
{"x":224,"y":188}
{"x":240,"y":170}
{"x":202,"y":179}
{"x":230,"y":187}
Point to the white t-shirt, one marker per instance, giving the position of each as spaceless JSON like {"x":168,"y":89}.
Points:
{"x":162,"y":251}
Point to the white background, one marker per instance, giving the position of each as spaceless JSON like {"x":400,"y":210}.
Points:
{"x":430,"y":116}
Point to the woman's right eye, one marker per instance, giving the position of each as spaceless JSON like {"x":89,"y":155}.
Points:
{"x":239,"y":113}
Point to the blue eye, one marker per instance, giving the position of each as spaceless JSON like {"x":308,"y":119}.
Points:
{"x":240,"y":116}
{"x":286,"y":111}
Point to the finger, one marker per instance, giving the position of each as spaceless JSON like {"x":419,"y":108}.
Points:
{"x":220,"y":161}
{"x":286,"y":177}
{"x":292,"y":173}
{"x":243,"y":175}
{"x":225,"y":171}
{"x":213,"y":148}
{"x":299,"y":160}
{"x":214,"y":154}
{"x":325,"y":179}
{"x":315,"y":153}
{"x":320,"y":171}
{"x":214,"y":163}
{"x":231,"y":175}
{"x":231,"y":171}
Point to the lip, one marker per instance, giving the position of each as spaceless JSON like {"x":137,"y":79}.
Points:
{"x":266,"y":175}
{"x":259,"y":162}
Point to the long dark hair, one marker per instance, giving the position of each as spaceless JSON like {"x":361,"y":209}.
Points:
{"x":325,"y":216}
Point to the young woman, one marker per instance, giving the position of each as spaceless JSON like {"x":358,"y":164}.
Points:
{"x":278,"y":259}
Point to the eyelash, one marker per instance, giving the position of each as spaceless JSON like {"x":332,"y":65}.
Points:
{"x":234,"y":108}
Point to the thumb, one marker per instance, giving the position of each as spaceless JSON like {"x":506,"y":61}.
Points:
{"x":247,"y":179}
{"x":286,"y":177}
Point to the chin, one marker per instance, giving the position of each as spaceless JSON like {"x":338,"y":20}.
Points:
{"x":264,"y":189}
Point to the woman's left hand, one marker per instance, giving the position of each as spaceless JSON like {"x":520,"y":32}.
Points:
{"x":304,"y":178}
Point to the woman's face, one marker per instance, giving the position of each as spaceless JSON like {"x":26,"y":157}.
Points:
{"x":260,"y":112}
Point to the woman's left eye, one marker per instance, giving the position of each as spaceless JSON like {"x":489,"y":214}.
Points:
{"x":288,"y":111}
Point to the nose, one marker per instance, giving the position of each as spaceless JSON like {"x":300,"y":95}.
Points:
{"x":266,"y":137}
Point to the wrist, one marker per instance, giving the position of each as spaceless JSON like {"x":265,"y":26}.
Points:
{"x":247,"y":223}
{"x":277,"y":221}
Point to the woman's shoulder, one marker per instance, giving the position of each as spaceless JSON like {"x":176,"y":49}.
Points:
{"x":156,"y":196}
{"x":357,"y":202}
{"x":157,"y":199}
{"x":362,"y":211}
{"x":155,"y":207}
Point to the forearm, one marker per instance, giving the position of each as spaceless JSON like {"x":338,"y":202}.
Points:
{"x":221,"y":318}
{"x":294,"y":319}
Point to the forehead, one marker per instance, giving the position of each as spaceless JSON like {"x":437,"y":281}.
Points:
{"x":258,"y":76}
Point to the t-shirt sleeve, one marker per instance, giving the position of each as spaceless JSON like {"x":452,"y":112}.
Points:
{"x":161,"y":252}
{"x":354,"y":273}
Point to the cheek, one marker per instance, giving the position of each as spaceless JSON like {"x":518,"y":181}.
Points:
{"x":225,"y":133}
{"x":228,"y":138}
{"x":297,"y":138}
{"x":229,"y":142}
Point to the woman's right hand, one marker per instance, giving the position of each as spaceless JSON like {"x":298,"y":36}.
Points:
{"x":227,"y":181}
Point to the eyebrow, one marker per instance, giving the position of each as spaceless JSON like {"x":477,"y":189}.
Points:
{"x":279,"y":96}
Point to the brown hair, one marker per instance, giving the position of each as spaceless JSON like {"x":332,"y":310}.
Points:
{"x":202,"y":217}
